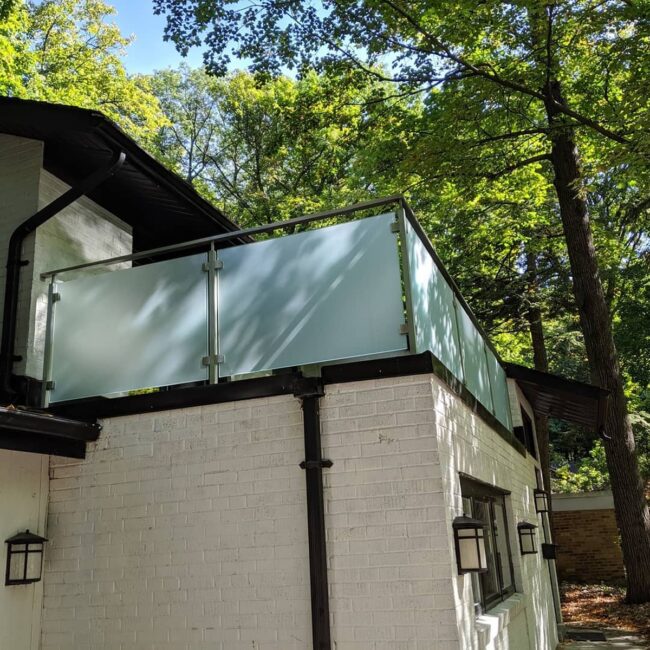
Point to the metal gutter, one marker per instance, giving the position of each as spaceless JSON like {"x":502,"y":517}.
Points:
{"x":14,"y":264}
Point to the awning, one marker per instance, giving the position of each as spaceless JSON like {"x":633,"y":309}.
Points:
{"x":561,"y":398}
{"x":45,"y":433}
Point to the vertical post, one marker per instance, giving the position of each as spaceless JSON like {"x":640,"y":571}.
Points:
{"x":212,"y":315}
{"x":460,"y":340}
{"x":487,"y":367}
{"x":406,"y":279}
{"x":313,"y":466}
{"x":52,"y":297}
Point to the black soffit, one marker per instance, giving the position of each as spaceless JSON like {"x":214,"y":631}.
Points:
{"x":45,"y":433}
{"x":160,"y":206}
{"x":561,"y":398}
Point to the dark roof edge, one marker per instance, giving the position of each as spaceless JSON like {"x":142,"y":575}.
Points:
{"x":48,"y":424}
{"x":90,"y":120}
{"x":45,"y":433}
{"x":516,"y":371}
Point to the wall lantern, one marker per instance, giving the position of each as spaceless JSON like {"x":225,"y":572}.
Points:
{"x":527,"y":533}
{"x":469,"y":538}
{"x":541,"y":501}
{"x":24,"y":558}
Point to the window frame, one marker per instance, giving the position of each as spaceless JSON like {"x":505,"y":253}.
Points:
{"x":478,"y":492}
{"x":526,"y":433}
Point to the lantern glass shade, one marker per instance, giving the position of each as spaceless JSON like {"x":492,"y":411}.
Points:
{"x":527,"y":534}
{"x":24,"y":558}
{"x":541,"y":501}
{"x":469,"y":537}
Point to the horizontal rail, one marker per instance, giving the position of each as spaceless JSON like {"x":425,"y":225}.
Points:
{"x":256,"y":230}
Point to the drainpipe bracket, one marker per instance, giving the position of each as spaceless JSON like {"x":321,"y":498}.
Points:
{"x":316,"y":464}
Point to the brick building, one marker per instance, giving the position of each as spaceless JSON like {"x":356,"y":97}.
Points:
{"x":233,"y":443}
{"x":598,"y":558}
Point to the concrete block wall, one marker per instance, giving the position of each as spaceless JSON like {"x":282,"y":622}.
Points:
{"x":182,"y":530}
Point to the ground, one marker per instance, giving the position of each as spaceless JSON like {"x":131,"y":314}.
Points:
{"x":603,"y":607}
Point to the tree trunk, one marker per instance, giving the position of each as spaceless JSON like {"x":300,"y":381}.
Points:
{"x":632,"y":513}
{"x":540,"y":359}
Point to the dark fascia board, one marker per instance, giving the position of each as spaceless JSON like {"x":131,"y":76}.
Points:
{"x":566,"y":399}
{"x":554,"y":382}
{"x":45,"y":433}
{"x":290,"y":383}
{"x":96,"y":124}
{"x":48,"y":424}
{"x":41,"y":444}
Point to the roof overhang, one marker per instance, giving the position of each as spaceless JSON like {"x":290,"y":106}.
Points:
{"x":160,"y":206}
{"x":561,"y":398}
{"x":45,"y":433}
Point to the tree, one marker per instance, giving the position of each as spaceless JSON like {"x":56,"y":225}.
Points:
{"x":66,"y":51}
{"x":545,"y":79}
{"x":267,"y":150}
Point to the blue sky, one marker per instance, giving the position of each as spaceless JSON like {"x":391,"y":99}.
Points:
{"x":148,"y":52}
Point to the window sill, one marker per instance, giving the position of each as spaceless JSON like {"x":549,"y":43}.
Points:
{"x":492,"y":623}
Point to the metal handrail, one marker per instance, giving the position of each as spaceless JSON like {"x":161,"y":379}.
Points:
{"x":256,"y":230}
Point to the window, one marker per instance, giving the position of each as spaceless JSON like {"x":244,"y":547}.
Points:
{"x":526,"y":434}
{"x":487,"y":503}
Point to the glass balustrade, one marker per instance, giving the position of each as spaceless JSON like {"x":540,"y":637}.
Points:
{"x":357,"y":290}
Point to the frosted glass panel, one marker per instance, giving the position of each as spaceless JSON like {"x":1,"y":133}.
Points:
{"x":130,"y":329}
{"x":499,"y":384}
{"x":321,"y":295}
{"x":433,"y":306}
{"x":475,"y":363}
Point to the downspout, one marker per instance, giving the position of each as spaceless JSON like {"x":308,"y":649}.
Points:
{"x":313,"y":466}
{"x":14,"y":263}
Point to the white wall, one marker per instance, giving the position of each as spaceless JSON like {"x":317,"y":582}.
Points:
{"x":389,"y":558}
{"x":20,"y":165}
{"x":468,"y":445}
{"x":187,"y":529}
{"x":23,"y":505}
{"x":182,"y":530}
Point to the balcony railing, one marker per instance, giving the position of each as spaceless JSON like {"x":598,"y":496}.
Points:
{"x":363,"y":289}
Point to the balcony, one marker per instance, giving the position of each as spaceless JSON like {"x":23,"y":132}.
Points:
{"x":361,"y":289}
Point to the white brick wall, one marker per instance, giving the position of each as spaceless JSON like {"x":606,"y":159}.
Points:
{"x":398,"y":446}
{"x":390,"y":566}
{"x":468,"y":445}
{"x":185,"y":529}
